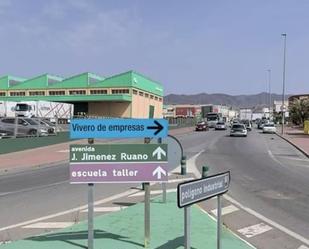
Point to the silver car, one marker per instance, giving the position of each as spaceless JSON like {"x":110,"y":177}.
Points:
{"x":238,"y":130}
{"x":25,"y":126}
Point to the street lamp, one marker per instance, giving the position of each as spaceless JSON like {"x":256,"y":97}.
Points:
{"x":269,"y":89}
{"x":283,"y":81}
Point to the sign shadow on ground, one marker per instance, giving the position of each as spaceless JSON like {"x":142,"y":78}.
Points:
{"x":78,"y":236}
{"x":174,"y":244}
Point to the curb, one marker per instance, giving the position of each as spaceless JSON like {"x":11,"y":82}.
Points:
{"x":296,"y":146}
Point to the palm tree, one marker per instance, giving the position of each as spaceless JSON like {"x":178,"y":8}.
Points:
{"x":299,"y":111}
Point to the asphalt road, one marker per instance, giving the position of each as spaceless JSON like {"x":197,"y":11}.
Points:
{"x":268,"y":175}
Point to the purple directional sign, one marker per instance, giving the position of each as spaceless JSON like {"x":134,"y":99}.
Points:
{"x":103,"y":163}
{"x":117,"y":172}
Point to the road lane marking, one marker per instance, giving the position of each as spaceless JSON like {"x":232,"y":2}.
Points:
{"x":303,"y":247}
{"x":105,"y":209}
{"x":105,"y":200}
{"x":254,"y":230}
{"x":180,"y":180}
{"x":50,"y":225}
{"x":287,"y":231}
{"x":226,"y":210}
{"x":154,"y":192}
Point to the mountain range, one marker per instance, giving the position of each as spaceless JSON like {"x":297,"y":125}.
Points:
{"x":237,"y":101}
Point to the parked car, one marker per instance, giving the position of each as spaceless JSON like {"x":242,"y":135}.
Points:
{"x":201,"y":126}
{"x":51,"y":127}
{"x":238,"y":130}
{"x":25,"y":126}
{"x":220,"y":126}
{"x":248,"y":124}
{"x":269,"y":128}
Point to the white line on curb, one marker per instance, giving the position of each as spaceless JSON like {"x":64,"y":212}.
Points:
{"x":254,"y":230}
{"x":226,"y":210}
{"x":51,"y":225}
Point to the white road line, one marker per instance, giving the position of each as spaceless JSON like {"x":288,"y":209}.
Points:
{"x":154,"y":192}
{"x":105,"y":209}
{"x":254,"y":230}
{"x":63,"y":151}
{"x":108,"y":199}
{"x":226,"y":210}
{"x":254,"y":213}
{"x":180,"y":180}
{"x":303,"y":247}
{"x":267,"y":220}
{"x":50,"y":225}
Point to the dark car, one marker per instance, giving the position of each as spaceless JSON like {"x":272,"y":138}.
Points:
{"x":201,"y":126}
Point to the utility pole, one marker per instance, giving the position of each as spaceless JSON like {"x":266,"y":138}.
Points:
{"x":283,"y":82}
{"x":269,"y":89}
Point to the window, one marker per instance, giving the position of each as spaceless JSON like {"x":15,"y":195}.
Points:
{"x":160,"y":99}
{"x":17,"y":93}
{"x":135,"y":92}
{"x":141,"y":93}
{"x":77,"y":92}
{"x":151,"y":96}
{"x":120,"y":91}
{"x":98,"y":91}
{"x":56,"y":92}
{"x":8,"y":120}
{"x":36,"y":93}
{"x":156,"y":98}
{"x":2,"y":94}
{"x":146,"y":95}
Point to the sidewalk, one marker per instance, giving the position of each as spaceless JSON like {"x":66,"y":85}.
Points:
{"x":297,"y":138}
{"x":125,"y":230}
{"x":48,"y":155}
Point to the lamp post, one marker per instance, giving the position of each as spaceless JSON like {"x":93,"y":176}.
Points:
{"x":269,"y":89}
{"x":283,"y":82}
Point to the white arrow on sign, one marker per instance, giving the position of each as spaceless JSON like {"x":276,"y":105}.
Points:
{"x":159,"y":151}
{"x":159,"y":171}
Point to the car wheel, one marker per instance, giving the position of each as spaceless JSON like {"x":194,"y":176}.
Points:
{"x":32,"y":132}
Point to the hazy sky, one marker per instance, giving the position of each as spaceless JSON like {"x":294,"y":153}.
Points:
{"x":188,"y":46}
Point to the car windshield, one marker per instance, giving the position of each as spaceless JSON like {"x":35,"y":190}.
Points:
{"x":200,"y":123}
{"x":31,"y":121}
{"x":22,"y":107}
{"x":238,"y":127}
{"x":220,"y":123}
{"x":269,"y":125}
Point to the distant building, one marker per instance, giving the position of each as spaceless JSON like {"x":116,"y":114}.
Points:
{"x":299,"y":96}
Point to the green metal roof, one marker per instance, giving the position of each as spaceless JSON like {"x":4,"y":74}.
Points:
{"x":130,"y":79}
{"x":83,"y":80}
{"x":7,"y":79}
{"x":39,"y":82}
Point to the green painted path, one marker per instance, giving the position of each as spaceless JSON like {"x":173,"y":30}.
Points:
{"x":124,"y":230}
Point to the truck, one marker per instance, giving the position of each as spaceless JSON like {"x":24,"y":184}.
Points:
{"x":41,"y":109}
{"x":245,"y":114}
{"x":213,"y":118}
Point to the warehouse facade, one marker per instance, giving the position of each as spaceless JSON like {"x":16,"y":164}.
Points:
{"x":125,"y":95}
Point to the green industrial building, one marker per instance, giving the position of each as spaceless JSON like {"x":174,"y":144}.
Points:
{"x":127,"y":95}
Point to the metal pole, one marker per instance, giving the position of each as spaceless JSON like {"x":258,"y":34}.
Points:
{"x":16,"y":127}
{"x":283,"y":82}
{"x":147,"y":215}
{"x":90,"y":209}
{"x":146,"y":187}
{"x":187,"y":227}
{"x":219,"y":222}
{"x":269,"y":88}
{"x":90,"y":216}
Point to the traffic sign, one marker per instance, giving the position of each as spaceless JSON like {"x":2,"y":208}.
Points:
{"x":118,"y":128}
{"x":198,"y":190}
{"x":117,"y":172}
{"x":105,"y":163}
{"x":118,"y":153}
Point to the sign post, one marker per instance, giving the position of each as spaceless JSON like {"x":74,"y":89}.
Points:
{"x":219,"y":222}
{"x":198,"y":190}
{"x":121,"y":163}
{"x":90,"y":209}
